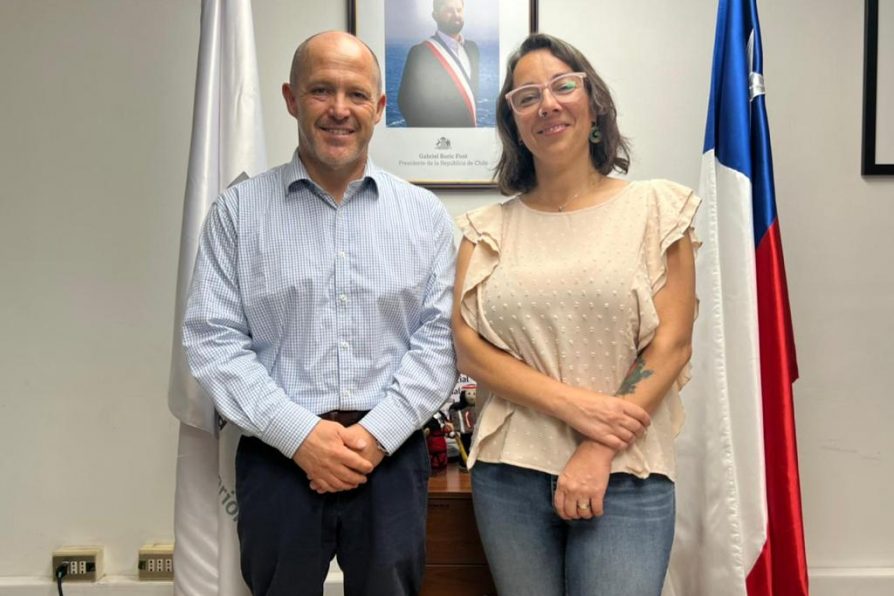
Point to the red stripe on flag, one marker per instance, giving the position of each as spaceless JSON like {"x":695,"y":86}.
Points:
{"x":781,"y":569}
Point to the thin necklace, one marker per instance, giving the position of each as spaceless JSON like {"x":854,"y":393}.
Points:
{"x":561,"y":207}
{"x":588,"y":187}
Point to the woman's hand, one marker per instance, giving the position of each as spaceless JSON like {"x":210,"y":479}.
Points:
{"x":612,"y":421}
{"x":581,"y":485}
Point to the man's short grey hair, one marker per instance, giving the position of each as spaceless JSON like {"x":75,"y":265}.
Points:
{"x":300,"y":57}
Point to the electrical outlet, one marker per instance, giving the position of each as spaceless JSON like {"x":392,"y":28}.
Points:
{"x":156,"y":562}
{"x":84,"y":562}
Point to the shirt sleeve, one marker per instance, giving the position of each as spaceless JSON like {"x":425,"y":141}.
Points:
{"x":427,"y":372}
{"x":218,"y":344}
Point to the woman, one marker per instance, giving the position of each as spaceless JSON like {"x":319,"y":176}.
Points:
{"x":574,"y":308}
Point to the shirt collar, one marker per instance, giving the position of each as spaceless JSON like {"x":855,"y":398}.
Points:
{"x":453,"y":44}
{"x":296,"y":175}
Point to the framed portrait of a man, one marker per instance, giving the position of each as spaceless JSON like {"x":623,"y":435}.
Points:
{"x":443,"y":65}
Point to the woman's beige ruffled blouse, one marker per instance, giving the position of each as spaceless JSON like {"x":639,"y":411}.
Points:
{"x":571,"y":294}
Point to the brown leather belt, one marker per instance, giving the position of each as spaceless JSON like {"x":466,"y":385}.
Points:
{"x":345,"y":417}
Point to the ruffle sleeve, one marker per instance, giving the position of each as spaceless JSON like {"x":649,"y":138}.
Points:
{"x":483,"y":228}
{"x":672,"y":209}
{"x":673,"y":212}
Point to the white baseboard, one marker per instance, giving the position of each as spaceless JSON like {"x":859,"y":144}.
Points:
{"x":828,"y":581}
{"x":852,"y":581}
{"x":119,"y":586}
{"x":107,"y":586}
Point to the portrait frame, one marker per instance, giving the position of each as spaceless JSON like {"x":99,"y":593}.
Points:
{"x":456,"y":157}
{"x":878,"y":92}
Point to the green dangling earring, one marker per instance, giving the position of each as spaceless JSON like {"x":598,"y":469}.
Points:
{"x":595,"y":134}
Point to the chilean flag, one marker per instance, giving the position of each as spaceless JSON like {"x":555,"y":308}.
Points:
{"x":739,"y":526}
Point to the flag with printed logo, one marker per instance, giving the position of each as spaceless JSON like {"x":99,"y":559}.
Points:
{"x":227,"y":142}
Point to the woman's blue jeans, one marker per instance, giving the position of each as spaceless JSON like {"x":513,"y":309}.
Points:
{"x":533,"y":552}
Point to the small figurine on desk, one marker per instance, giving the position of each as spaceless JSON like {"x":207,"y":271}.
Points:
{"x":437,"y":431}
{"x":436,"y":442}
{"x":457,"y":424}
{"x":462,"y":419}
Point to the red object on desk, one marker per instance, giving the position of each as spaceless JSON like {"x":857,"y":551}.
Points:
{"x":437,"y":450}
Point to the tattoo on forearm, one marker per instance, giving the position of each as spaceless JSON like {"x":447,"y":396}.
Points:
{"x":638,"y":372}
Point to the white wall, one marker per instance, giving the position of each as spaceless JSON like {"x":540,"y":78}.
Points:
{"x":838,"y":241}
{"x":94,"y":137}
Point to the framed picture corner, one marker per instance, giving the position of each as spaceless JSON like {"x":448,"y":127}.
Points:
{"x":877,"y":157}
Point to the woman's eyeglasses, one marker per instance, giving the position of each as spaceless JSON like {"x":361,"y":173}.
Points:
{"x":563,"y":87}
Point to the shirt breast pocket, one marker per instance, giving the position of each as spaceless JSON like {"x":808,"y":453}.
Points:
{"x":274,"y":291}
{"x":400,"y":294}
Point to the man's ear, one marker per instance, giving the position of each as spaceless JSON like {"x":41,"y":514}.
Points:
{"x":380,"y":107}
{"x":291,"y":100}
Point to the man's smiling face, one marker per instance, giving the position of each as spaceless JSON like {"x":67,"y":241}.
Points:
{"x":337,"y":104}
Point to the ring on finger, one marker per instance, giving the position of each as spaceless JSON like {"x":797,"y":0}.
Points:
{"x":583,"y":505}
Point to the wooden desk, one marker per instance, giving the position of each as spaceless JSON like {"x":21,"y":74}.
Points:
{"x":455,"y":563}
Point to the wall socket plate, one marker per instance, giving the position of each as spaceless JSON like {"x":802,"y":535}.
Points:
{"x":84,"y":562}
{"x":156,"y":562}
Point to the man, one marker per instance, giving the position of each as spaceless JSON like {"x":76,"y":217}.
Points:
{"x":318,"y":321}
{"x":440,"y":79}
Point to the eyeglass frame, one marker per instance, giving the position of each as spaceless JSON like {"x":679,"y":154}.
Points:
{"x":543,"y":87}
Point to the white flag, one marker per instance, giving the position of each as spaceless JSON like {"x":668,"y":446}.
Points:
{"x":227,"y":141}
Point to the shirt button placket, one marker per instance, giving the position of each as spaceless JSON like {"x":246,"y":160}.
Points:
{"x":342,"y":314}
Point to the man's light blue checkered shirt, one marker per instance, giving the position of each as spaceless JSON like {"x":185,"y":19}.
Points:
{"x":300,"y":305}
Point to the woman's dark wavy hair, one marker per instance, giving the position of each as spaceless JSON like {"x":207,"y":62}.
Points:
{"x":515,"y":170}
